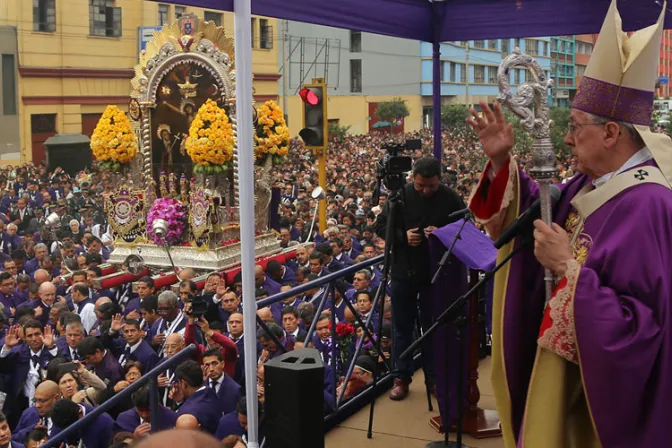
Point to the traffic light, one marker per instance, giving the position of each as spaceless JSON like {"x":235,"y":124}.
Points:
{"x":315,"y":122}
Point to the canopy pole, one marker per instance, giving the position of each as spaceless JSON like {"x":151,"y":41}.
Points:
{"x":437,"y":21}
{"x":243,"y":36}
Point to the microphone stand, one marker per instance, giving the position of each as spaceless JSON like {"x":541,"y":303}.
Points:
{"x":447,"y":253}
{"x":454,"y":312}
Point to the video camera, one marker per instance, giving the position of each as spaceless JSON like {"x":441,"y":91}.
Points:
{"x":392,"y":166}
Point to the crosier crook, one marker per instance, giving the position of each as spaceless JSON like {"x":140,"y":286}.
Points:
{"x":531,"y":105}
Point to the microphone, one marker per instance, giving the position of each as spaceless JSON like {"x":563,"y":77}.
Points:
{"x":459,"y":214}
{"x":525,"y":220}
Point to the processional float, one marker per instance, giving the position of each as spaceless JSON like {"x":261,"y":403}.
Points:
{"x":175,"y":161}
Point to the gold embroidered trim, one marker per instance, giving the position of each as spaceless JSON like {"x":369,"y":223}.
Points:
{"x":493,"y":225}
{"x":559,"y":337}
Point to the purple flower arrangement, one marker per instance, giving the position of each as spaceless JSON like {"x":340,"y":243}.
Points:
{"x":171,"y":211}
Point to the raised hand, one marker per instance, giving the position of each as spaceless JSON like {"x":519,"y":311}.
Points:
{"x":116,"y":323}
{"x":221,"y":289}
{"x":495,"y":134}
{"x":205,"y":326}
{"x":48,"y":337}
{"x":133,"y":315}
{"x":12,"y":337}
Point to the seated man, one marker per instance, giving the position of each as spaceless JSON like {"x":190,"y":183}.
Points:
{"x":138,"y":420}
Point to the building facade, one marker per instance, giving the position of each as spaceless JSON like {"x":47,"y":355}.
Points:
{"x":9,"y":111}
{"x":563,"y":70}
{"x":361,"y":70}
{"x":469,"y":70}
{"x":584,"y":48}
{"x":76,"y":57}
{"x":663,"y":90}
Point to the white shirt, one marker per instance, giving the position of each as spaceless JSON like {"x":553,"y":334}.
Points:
{"x":33,"y":377}
{"x":641,"y":156}
{"x":122,"y":358}
{"x":218,"y":383}
{"x":88,"y":316}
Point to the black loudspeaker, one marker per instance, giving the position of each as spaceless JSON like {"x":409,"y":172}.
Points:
{"x":294,"y":400}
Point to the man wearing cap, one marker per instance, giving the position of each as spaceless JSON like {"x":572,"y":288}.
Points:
{"x":589,"y":368}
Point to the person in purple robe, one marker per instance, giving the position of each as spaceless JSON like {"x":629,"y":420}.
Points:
{"x":589,"y":367}
{"x":138,"y":420}
{"x":197,"y":399}
{"x":265,"y":281}
{"x":97,"y":433}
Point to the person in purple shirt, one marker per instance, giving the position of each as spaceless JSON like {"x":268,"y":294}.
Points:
{"x":270,"y":349}
{"x":227,"y":390}
{"x":280,"y":274}
{"x":104,"y":364}
{"x":129,"y":345}
{"x":197,"y":399}
{"x":138,"y":420}
{"x":264,"y":281}
{"x":96,"y":434}
{"x":7,"y":293}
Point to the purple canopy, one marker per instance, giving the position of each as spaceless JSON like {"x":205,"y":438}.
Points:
{"x":459,"y":20}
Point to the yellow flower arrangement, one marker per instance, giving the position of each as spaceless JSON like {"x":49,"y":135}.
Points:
{"x":272,"y":135}
{"x":210,"y":142}
{"x":113,"y":142}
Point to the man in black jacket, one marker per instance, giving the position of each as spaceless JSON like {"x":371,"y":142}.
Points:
{"x":427,"y":206}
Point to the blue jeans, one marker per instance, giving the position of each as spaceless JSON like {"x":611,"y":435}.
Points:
{"x":409,"y":298}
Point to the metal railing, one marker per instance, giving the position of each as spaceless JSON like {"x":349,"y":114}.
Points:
{"x":342,"y":407}
{"x":186,"y":353}
{"x":327,"y":301}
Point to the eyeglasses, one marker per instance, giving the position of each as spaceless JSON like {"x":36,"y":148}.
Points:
{"x":574,"y":126}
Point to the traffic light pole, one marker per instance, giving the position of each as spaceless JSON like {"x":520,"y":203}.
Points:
{"x":322,"y":178}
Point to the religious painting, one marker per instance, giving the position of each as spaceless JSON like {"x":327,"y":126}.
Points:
{"x":180,"y":94}
{"x":199,"y":216}
{"x":125,"y":213}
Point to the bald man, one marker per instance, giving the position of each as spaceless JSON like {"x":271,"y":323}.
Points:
{"x":180,"y":437}
{"x":265,"y":314}
{"x":187,"y":421}
{"x":41,"y":276}
{"x":100,"y":317}
{"x":186,"y":274}
{"x":262,"y":280}
{"x":174,"y":343}
{"x":46,"y":394}
{"x":47,"y":294}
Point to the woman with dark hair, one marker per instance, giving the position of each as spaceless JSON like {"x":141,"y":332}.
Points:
{"x":81,"y":386}
{"x":132,"y":372}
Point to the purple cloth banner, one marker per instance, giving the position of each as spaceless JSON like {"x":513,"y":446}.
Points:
{"x":463,"y":20}
{"x":473,"y":250}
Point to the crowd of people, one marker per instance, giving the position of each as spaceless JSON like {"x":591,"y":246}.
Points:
{"x":68,"y":346}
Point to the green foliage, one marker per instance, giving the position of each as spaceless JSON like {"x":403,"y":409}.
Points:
{"x":392,"y":110}
{"x":560,"y":117}
{"x":338,"y":131}
{"x":453,"y":117}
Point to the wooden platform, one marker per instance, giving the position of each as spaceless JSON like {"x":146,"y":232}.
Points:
{"x":406,"y":423}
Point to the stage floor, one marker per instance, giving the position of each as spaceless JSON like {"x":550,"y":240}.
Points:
{"x":406,"y":423}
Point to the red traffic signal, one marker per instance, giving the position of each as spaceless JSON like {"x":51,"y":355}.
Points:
{"x":308,"y":96}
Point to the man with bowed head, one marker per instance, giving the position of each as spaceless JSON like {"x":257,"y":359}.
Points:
{"x":590,"y":367}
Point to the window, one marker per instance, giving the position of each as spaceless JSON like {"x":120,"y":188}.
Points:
{"x":443,"y":71}
{"x":531,"y":47}
{"x":580,"y":70}
{"x":164,"y":13}
{"x":265,"y":34}
{"x":492,"y":75}
{"x":492,"y":44}
{"x":8,"y":85}
{"x":355,"y":41}
{"x":452,"y":72}
{"x":44,"y":15}
{"x":179,"y":11}
{"x":479,"y":74}
{"x":215,"y":17}
{"x":254,"y":32}
{"x":104,"y":18}
{"x":42,"y":123}
{"x":355,"y":75}
{"x":505,"y":46}
{"x":479,"y":44}
{"x":546,"y":52}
